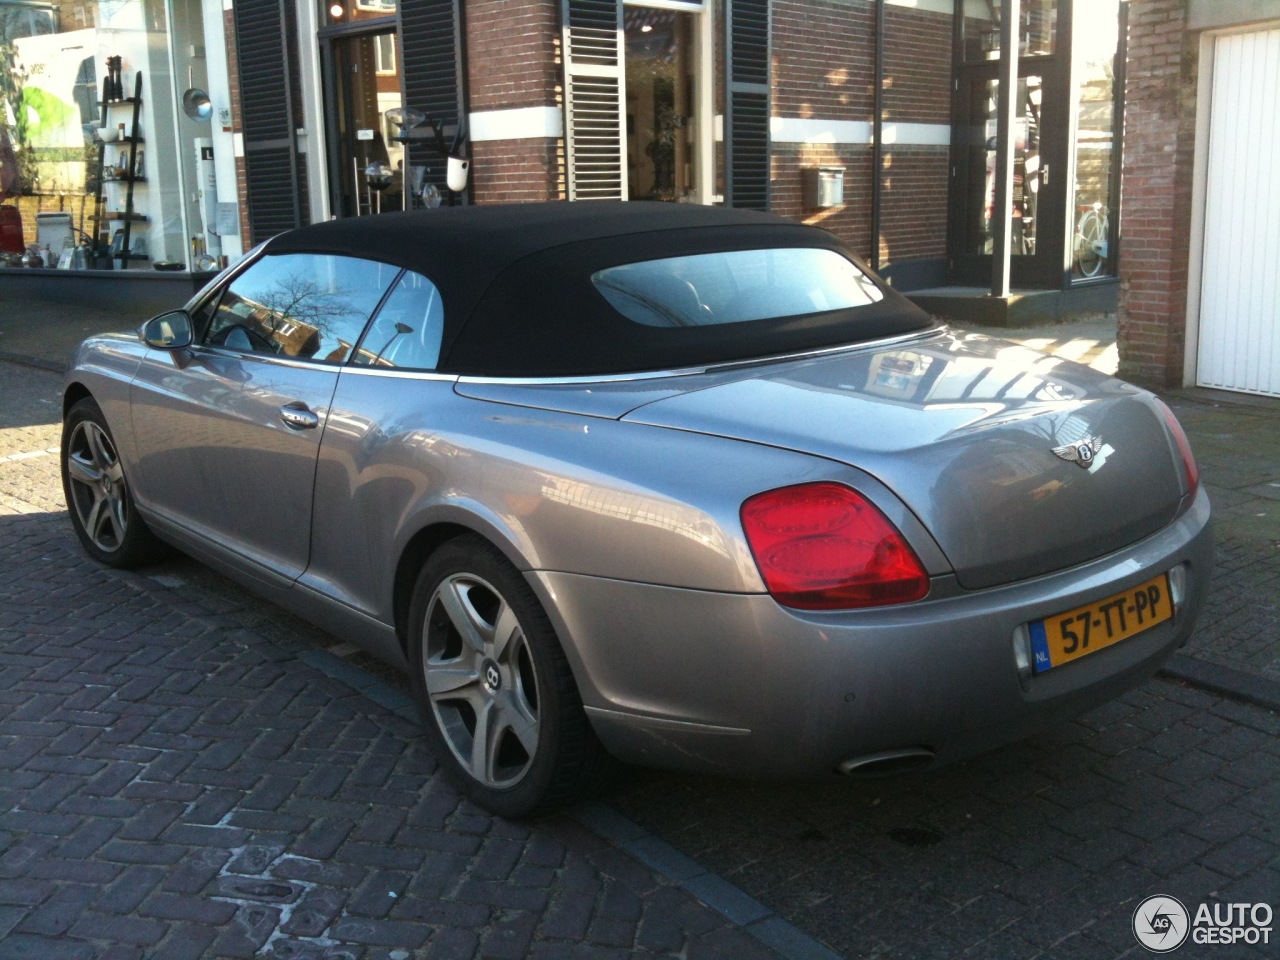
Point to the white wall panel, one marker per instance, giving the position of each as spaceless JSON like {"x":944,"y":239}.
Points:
{"x":1240,"y":278}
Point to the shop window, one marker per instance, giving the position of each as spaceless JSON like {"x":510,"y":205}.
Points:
{"x":61,"y":152}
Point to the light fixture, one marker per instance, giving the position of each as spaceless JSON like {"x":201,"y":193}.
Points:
{"x":647,"y":28}
{"x":336,"y":10}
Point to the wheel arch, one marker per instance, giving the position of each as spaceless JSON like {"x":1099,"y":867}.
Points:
{"x":419,"y":548}
{"x":73,"y":394}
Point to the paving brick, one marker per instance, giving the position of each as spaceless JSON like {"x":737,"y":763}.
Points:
{"x":56,"y":915}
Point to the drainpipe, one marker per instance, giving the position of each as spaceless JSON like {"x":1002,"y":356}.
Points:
{"x":877,"y":139}
{"x":1006,"y":106}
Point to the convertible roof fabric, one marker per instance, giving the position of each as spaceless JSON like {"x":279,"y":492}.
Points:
{"x":515,"y":281}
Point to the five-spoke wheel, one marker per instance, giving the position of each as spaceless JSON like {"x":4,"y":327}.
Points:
{"x":97,"y":486}
{"x":480,"y":680}
{"x":97,"y":493}
{"x":497,"y":697}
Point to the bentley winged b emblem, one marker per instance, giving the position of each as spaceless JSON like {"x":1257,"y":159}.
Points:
{"x":1080,"y":453}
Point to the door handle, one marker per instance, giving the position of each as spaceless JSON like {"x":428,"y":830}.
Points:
{"x":296,"y":416}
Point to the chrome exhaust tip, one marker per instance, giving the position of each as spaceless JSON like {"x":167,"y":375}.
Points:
{"x":887,"y":762}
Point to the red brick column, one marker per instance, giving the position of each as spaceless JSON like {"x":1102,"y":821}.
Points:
{"x":513,"y":53}
{"x":1159,"y":147}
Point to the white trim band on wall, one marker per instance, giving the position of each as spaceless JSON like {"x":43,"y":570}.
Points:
{"x":519,"y":123}
{"x":529,"y":123}
{"x":805,"y":130}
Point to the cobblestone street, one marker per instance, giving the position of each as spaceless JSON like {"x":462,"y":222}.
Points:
{"x":188,"y":772}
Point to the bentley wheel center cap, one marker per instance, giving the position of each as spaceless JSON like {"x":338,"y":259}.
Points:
{"x":491,"y":676}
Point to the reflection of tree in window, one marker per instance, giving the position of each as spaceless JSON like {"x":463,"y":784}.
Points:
{"x":299,"y":305}
{"x":311,"y":312}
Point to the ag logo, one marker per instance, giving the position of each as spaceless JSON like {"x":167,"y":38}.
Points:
{"x":1161,"y":924}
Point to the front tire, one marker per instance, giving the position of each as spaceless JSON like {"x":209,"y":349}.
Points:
{"x":495,"y":692}
{"x":97,"y":492}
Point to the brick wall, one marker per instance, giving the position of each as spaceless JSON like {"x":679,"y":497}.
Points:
{"x":513,"y":53}
{"x":1159,"y":142}
{"x":917,"y":68}
{"x":824,"y":69}
{"x":913,"y":210}
{"x":822,"y":59}
{"x":517,"y":171}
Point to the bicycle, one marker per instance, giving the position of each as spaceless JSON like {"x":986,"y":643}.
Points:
{"x":1091,"y":240}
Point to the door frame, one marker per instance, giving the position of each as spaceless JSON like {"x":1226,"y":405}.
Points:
{"x":1049,"y":267}
{"x":328,"y":38}
{"x":702,"y":60}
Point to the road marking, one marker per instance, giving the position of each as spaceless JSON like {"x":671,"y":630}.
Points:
{"x":30,"y":454}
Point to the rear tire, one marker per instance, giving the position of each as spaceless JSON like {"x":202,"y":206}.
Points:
{"x":497,"y":698}
{"x":97,"y":492}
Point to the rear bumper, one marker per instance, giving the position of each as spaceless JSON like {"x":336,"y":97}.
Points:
{"x":734,"y":683}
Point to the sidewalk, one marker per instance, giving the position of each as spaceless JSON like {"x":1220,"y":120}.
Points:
{"x":1236,"y":439}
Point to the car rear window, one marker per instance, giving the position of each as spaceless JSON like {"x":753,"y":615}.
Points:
{"x":736,"y":286}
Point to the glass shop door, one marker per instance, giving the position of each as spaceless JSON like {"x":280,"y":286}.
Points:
{"x":366,"y":165}
{"x":1035,"y":224}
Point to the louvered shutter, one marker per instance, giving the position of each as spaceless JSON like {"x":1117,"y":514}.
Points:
{"x":595,"y":133}
{"x":432,"y":66}
{"x":266,"y":46}
{"x":746,"y":122}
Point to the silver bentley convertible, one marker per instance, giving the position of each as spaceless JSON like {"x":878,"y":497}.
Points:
{"x":680,"y":485}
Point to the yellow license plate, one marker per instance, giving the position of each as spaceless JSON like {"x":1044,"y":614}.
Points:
{"x":1076,"y":633}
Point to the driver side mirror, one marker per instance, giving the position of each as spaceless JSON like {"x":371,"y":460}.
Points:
{"x":169,"y":331}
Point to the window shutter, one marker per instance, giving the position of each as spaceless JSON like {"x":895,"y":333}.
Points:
{"x":266,"y":47}
{"x":595,"y":137}
{"x":432,"y":65}
{"x":746,"y":122}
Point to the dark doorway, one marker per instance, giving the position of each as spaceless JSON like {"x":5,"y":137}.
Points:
{"x":362,"y":82}
{"x":1037,"y":225}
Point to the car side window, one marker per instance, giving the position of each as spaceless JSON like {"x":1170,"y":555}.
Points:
{"x":407,"y":331}
{"x":307,"y":306}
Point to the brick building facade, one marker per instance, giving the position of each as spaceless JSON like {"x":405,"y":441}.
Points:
{"x":811,"y":63}
{"x":741,"y":102}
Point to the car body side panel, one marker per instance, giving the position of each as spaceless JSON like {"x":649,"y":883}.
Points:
{"x":337,"y":618}
{"x":711,"y":681}
{"x":215,"y":455}
{"x":104,"y":366}
{"x":402,"y":453}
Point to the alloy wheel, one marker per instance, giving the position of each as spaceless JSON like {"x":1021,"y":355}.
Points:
{"x":480,"y":680}
{"x":97,"y":489}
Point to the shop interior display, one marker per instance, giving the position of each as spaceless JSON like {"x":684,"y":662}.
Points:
{"x":121,"y":167}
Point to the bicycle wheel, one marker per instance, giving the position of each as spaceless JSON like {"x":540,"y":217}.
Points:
{"x":1091,"y":243}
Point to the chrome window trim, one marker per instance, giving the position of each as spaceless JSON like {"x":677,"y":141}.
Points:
{"x":272,"y":358}
{"x":407,"y":374}
{"x":708,"y":368}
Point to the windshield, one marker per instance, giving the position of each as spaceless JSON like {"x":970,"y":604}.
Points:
{"x":736,"y":286}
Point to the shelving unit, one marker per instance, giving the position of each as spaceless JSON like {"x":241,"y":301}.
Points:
{"x":103,"y":254}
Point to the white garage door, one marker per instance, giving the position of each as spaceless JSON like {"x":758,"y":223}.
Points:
{"x":1240,"y":287}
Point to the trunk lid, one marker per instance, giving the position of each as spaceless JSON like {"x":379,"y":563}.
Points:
{"x":963,"y":430}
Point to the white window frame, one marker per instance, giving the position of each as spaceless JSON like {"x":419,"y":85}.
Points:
{"x":380,"y":55}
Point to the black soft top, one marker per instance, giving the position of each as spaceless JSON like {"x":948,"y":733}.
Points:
{"x":515,"y":281}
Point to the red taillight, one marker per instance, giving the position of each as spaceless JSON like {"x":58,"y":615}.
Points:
{"x":823,"y":546}
{"x":1184,"y":448}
